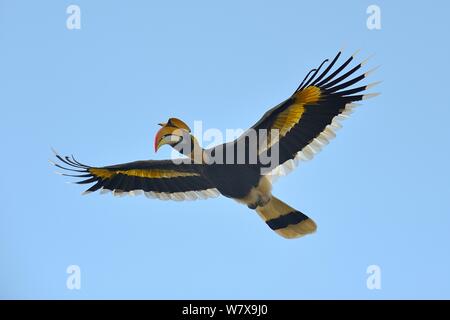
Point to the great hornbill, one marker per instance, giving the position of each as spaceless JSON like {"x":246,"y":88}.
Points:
{"x":295,"y":130}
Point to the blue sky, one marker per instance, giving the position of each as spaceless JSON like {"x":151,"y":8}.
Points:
{"x":379,"y":192}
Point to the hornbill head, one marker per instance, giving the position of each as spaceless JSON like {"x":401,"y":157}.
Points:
{"x":172,"y":132}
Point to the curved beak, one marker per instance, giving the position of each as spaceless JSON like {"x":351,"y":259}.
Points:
{"x":166,"y":135}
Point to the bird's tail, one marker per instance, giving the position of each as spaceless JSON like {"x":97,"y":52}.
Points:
{"x":284,"y":220}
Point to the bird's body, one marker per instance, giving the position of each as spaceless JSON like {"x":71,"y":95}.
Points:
{"x":242,"y":169}
{"x":238,"y":180}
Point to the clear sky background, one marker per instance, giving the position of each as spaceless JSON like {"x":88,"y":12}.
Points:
{"x":379,"y":192}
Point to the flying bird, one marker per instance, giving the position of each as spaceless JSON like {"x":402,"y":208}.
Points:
{"x":293,"y":130}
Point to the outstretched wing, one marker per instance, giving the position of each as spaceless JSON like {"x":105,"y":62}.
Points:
{"x":161,"y":179}
{"x":306,"y":121}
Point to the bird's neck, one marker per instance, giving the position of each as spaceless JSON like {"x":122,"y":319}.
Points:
{"x":194,"y":151}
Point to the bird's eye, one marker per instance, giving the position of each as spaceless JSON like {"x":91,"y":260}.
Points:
{"x":173,"y":139}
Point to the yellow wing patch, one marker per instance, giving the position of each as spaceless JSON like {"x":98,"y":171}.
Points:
{"x":153,"y":173}
{"x":308,"y":95}
{"x":287,"y":119}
